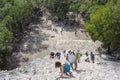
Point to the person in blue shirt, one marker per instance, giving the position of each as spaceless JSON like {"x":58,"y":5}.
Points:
{"x":58,"y":54}
{"x":65,"y":68}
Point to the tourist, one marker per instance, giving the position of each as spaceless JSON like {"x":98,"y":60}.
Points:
{"x":78,"y":55}
{"x":61,"y":31}
{"x":65,"y":68}
{"x":72,"y":59}
{"x":55,"y":30}
{"x":63,"y":57}
{"x":86,"y":53}
{"x":58,"y":54}
{"x":92,"y":57}
{"x":75,"y":32}
{"x":52,"y":55}
{"x":87,"y":57}
{"x":65,"y":53}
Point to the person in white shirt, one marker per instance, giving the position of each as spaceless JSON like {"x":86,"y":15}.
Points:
{"x":72,"y":59}
{"x":63,"y":57}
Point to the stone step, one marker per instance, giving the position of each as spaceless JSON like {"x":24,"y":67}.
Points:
{"x":82,"y":45}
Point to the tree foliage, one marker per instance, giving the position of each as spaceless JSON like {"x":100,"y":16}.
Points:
{"x":102,"y":17}
{"x":57,"y":7}
{"x":104,"y":24}
{"x":14,"y":16}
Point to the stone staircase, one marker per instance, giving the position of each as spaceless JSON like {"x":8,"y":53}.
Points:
{"x":44,"y":68}
{"x":82,"y":45}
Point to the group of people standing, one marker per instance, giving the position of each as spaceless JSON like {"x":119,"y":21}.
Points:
{"x":68,"y":60}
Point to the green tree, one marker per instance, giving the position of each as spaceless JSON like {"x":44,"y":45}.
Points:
{"x":57,"y":7}
{"x":14,"y":16}
{"x":5,"y":38}
{"x":104,"y":25}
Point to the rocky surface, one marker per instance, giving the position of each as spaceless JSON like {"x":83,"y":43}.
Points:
{"x":41,"y":39}
{"x":43,"y":69}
